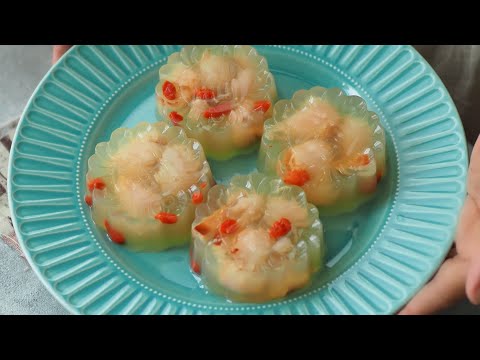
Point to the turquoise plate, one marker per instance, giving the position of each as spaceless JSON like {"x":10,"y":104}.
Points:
{"x":378,"y":256}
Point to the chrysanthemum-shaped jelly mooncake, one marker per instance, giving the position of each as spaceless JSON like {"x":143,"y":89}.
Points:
{"x":257,"y":239}
{"x":221,"y":95}
{"x":144,"y":185}
{"x":328,"y":143}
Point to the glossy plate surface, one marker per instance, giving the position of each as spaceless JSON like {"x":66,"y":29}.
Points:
{"x":378,"y":256}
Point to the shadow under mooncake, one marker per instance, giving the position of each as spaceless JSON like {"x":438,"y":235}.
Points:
{"x":256,"y":240}
{"x":329,"y":144}
{"x":220,"y":95}
{"x":144,"y":185}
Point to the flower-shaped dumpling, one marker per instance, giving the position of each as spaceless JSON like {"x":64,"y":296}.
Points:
{"x":144,"y":185}
{"x":328,"y":143}
{"x":257,"y":239}
{"x":220,"y":95}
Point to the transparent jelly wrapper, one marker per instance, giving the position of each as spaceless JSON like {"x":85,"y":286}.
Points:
{"x":256,"y":240}
{"x":220,"y":95}
{"x":144,"y":184}
{"x":329,"y":144}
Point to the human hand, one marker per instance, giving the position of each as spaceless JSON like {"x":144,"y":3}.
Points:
{"x":460,"y":273}
{"x":58,"y":51}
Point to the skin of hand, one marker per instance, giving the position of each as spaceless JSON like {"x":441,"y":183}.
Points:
{"x":459,"y":275}
{"x":58,"y":51}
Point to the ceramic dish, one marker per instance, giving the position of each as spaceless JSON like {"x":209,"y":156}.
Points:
{"x":377,"y":257}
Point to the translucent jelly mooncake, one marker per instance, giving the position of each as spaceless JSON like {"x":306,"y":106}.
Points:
{"x":329,"y":144}
{"x":144,"y":185}
{"x":220,"y":95}
{"x":256,"y":240}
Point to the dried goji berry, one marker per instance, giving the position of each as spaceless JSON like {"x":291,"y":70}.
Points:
{"x":116,"y":236}
{"x":229,"y":226}
{"x":280,"y":228}
{"x":169,"y":90}
{"x":175,"y":117}
{"x":218,"y":111}
{"x":262,"y":106}
{"x":166,"y":218}
{"x":296,"y":177}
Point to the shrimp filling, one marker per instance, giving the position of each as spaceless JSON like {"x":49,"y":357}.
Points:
{"x":254,"y":246}
{"x":334,"y":157}
{"x":218,"y":91}
{"x":242,"y":230}
{"x":148,"y":171}
{"x":144,"y":186}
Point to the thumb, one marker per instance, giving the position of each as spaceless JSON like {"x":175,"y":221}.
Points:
{"x":447,"y":287}
{"x":473,"y":282}
{"x":58,"y":51}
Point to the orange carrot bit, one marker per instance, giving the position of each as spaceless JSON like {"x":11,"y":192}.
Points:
{"x":89,"y":200}
{"x":218,"y":111}
{"x":175,"y":117}
{"x":262,"y":106}
{"x":362,"y":160}
{"x":229,"y":226}
{"x":280,"y":228}
{"x":96,"y":183}
{"x":197,"y":198}
{"x":166,"y":218}
{"x":379,"y":176}
{"x":169,"y":90}
{"x":235,"y":250}
{"x":116,"y":236}
{"x":203,"y":185}
{"x":205,"y":94}
{"x":202,"y":228}
{"x":193,"y":264}
{"x":296,"y":177}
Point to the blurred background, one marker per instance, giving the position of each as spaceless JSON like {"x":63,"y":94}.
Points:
{"x":23,"y":66}
{"x":21,"y":69}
